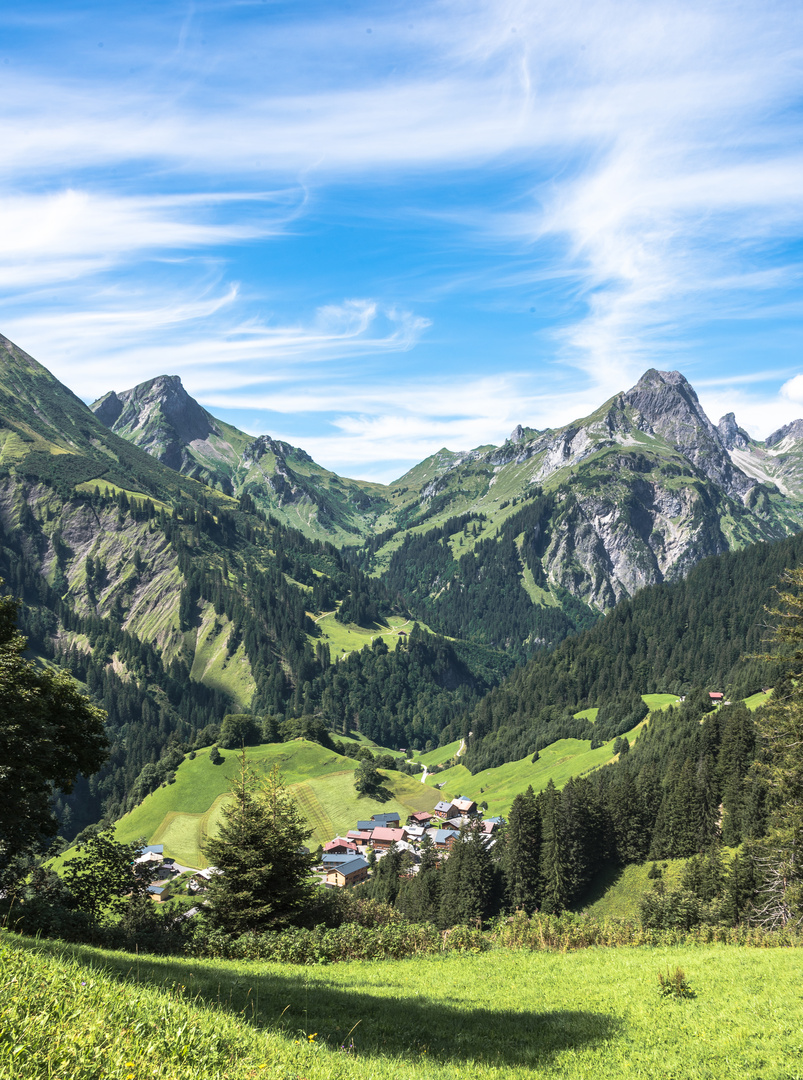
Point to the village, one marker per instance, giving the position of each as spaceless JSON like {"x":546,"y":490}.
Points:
{"x":345,"y":861}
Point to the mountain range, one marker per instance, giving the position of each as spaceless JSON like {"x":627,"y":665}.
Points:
{"x":639,"y":491}
{"x":183,"y":569}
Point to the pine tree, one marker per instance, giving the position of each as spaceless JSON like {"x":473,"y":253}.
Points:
{"x":467,"y":894}
{"x":264,"y":882}
{"x":522,"y":853}
{"x":554,"y":872}
{"x":780,"y":722}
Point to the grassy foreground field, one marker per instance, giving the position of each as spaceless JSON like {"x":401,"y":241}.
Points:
{"x":79,"y":1014}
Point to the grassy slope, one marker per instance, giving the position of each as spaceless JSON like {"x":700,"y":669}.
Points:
{"x":617,"y":892}
{"x":343,"y":638}
{"x":181,"y":815}
{"x":558,"y":762}
{"x":81,"y":1013}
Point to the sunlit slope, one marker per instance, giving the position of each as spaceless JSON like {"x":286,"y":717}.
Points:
{"x":558,"y":762}
{"x":184,"y":813}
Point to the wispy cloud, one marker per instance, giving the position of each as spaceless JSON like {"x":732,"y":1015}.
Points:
{"x":629,"y":169}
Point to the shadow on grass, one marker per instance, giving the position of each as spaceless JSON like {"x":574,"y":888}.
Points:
{"x":377,"y":794}
{"x":605,"y":879}
{"x":384,"y":1023}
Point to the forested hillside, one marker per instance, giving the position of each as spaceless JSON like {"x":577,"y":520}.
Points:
{"x":177,"y":605}
{"x":669,"y":638}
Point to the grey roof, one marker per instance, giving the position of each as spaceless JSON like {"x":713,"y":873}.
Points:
{"x":442,"y":835}
{"x":157,"y":890}
{"x":351,"y":866}
{"x":365,"y":826}
{"x":442,"y":805}
{"x":155,"y":849}
{"x":381,"y":819}
{"x":337,"y":858}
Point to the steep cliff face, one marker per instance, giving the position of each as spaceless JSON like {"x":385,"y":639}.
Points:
{"x":645,"y":487}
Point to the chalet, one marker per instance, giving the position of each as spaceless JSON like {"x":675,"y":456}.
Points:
{"x":452,"y":823}
{"x":339,"y":846}
{"x":382,"y":839}
{"x":348,"y":873}
{"x":419,"y":818}
{"x":361,"y":839}
{"x":200,"y":882}
{"x":467,"y":807}
{"x":443,"y":839}
{"x":335,"y":860}
{"x":445,"y":810}
{"x":386,"y":821}
{"x":155,"y":892}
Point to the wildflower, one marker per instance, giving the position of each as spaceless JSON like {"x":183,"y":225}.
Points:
{"x":311,"y":1037}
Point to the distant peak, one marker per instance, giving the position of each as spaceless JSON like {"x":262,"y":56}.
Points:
{"x":732,"y":435}
{"x":795,"y":429}
{"x":652,"y":379}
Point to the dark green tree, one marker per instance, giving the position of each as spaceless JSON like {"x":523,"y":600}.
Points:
{"x":103,"y":877}
{"x":469,"y":887}
{"x":264,"y":883}
{"x":49,"y":734}
{"x":780,"y":722}
{"x":420,"y":895}
{"x":521,"y":854}
{"x":555,"y":884}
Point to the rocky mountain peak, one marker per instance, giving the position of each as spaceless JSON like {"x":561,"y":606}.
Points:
{"x":734,"y":437}
{"x":159,"y":416}
{"x":665,"y":404}
{"x":795,"y":429}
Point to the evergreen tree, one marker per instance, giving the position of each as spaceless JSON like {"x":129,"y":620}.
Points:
{"x":385,"y":881}
{"x":469,"y":887}
{"x":521,"y":854}
{"x":264,"y":882}
{"x":781,"y":724}
{"x":553,"y":870}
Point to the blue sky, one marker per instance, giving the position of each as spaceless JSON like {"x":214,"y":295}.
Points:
{"x":378,"y":229}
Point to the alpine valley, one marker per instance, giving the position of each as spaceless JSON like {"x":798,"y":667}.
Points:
{"x":184,"y":571}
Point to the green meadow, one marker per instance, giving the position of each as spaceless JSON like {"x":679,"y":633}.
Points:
{"x":75,"y":1013}
{"x":345,"y":638}
{"x":183,"y":814}
{"x":558,"y":762}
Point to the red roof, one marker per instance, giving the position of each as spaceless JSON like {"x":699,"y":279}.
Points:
{"x":422,"y":815}
{"x":339,"y":842}
{"x":715,"y":695}
{"x":392,"y":836}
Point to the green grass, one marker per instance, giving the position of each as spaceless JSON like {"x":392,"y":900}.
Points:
{"x":755,"y":701}
{"x":439,"y":755}
{"x":182,"y":815}
{"x":79,"y":1014}
{"x":345,"y":638}
{"x":617,"y":892}
{"x":499,"y":786}
{"x":212,"y":664}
